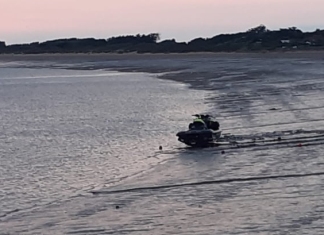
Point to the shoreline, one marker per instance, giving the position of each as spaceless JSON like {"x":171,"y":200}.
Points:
{"x":185,"y":68}
{"x":114,"y":56}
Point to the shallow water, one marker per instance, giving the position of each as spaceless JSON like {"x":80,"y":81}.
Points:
{"x":67,"y":133}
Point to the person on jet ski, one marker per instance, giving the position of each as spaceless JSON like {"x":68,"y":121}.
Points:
{"x":198,"y":123}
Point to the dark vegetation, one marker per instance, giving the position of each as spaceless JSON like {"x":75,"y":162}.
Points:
{"x":254,"y":40}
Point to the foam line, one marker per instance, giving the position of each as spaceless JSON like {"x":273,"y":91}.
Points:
{"x":223,"y":181}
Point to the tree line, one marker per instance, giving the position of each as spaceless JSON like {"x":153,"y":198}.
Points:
{"x":255,"y":39}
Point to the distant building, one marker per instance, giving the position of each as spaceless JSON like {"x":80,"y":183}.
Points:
{"x":285,"y":41}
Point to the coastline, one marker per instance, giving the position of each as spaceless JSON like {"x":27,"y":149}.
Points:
{"x":186,"y":68}
{"x":122,"y":56}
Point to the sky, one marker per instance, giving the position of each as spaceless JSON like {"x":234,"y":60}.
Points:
{"x":25,"y":21}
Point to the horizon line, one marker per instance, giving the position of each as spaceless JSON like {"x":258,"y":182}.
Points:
{"x":161,"y":40}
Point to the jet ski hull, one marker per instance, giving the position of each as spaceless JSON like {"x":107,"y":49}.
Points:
{"x":198,"y":138}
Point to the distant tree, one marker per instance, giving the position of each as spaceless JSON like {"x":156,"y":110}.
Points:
{"x":259,"y":29}
{"x":2,"y":47}
{"x":293,"y":29}
{"x":150,"y":38}
{"x":197,"y":41}
{"x":291,"y":33}
{"x":255,"y":39}
{"x":154,"y":37}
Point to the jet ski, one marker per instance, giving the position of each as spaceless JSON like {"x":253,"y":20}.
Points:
{"x":203,"y":132}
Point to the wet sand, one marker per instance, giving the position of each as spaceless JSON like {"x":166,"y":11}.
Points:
{"x":259,"y":190}
{"x":160,"y":63}
{"x":114,"y":56}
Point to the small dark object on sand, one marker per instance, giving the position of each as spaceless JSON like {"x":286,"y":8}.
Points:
{"x":160,"y":148}
{"x":223,"y":151}
{"x":117,"y":207}
{"x":272,"y":109}
{"x":279,"y":138}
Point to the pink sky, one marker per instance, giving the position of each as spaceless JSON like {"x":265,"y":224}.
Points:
{"x":40,"y":20}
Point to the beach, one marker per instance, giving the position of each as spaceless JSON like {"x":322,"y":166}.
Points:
{"x":78,"y":124}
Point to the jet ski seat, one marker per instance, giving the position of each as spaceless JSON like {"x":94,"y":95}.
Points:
{"x":197,"y":126}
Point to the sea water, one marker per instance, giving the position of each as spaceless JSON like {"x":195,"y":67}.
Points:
{"x":67,"y":133}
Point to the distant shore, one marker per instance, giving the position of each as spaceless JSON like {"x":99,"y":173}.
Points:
{"x":254,"y":40}
{"x":128,"y":56}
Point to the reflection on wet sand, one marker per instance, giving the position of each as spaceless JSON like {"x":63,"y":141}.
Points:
{"x":265,"y":178}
